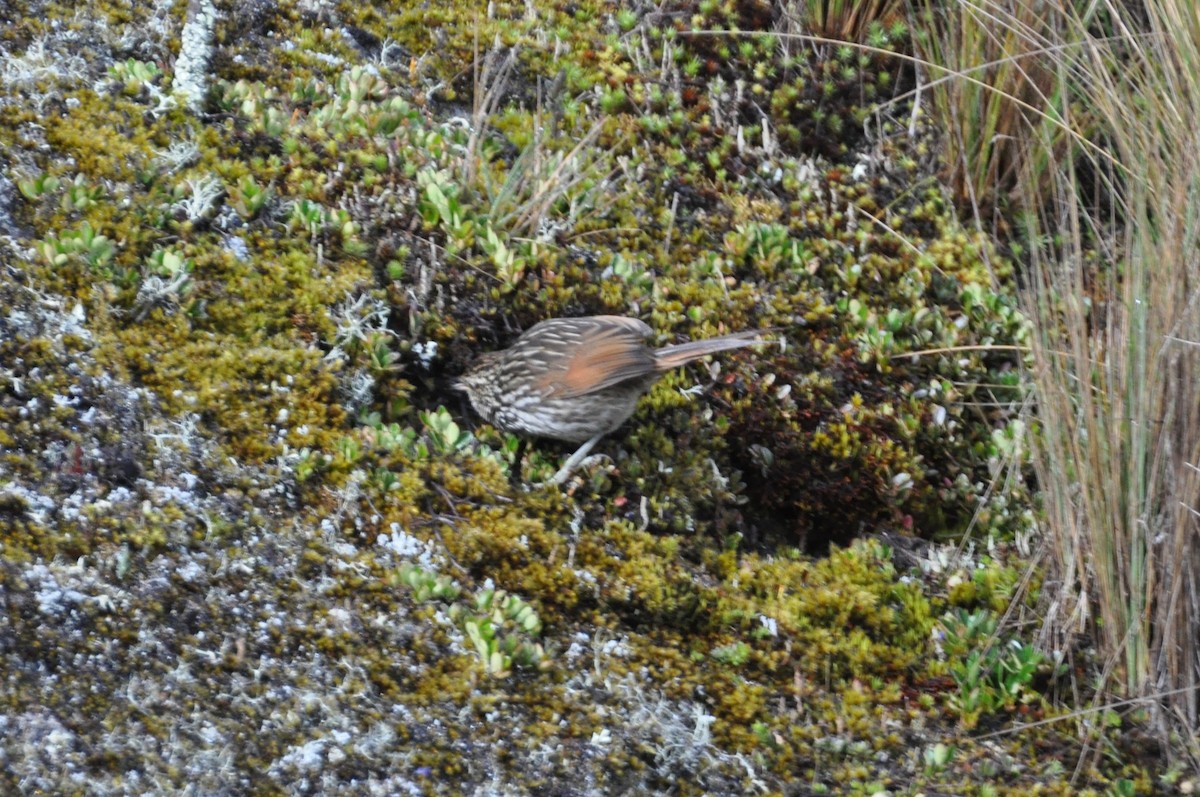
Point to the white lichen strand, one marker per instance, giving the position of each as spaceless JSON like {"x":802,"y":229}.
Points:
{"x":195,"y":52}
{"x":41,"y":64}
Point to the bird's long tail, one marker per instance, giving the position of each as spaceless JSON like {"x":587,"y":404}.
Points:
{"x":669,"y":357}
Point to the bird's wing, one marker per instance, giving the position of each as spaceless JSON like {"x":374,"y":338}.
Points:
{"x":608,"y":350}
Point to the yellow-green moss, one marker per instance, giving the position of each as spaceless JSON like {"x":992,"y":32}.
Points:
{"x":231,"y":513}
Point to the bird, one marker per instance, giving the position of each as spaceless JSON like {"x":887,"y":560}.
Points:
{"x":577,"y":379}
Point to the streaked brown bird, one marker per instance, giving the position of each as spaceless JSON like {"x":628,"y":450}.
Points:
{"x":577,"y":379}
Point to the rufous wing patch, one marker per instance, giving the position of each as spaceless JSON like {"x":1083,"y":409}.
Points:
{"x":611,"y":355}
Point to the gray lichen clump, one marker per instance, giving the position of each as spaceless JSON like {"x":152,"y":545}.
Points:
{"x":253,"y":544}
{"x":195,"y":53}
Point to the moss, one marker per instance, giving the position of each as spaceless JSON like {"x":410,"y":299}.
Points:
{"x":205,"y":499}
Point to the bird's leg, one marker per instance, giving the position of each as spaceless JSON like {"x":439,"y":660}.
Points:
{"x":514,"y":473}
{"x":573,"y":462}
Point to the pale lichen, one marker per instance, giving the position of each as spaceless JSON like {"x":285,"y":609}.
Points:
{"x":252,"y":541}
{"x":195,"y":53}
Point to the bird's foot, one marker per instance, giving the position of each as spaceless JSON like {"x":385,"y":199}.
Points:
{"x":568,"y":467}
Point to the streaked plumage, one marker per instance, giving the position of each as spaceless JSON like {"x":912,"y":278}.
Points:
{"x":577,"y":379}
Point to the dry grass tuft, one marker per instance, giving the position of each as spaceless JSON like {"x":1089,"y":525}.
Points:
{"x":1105,"y":176}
